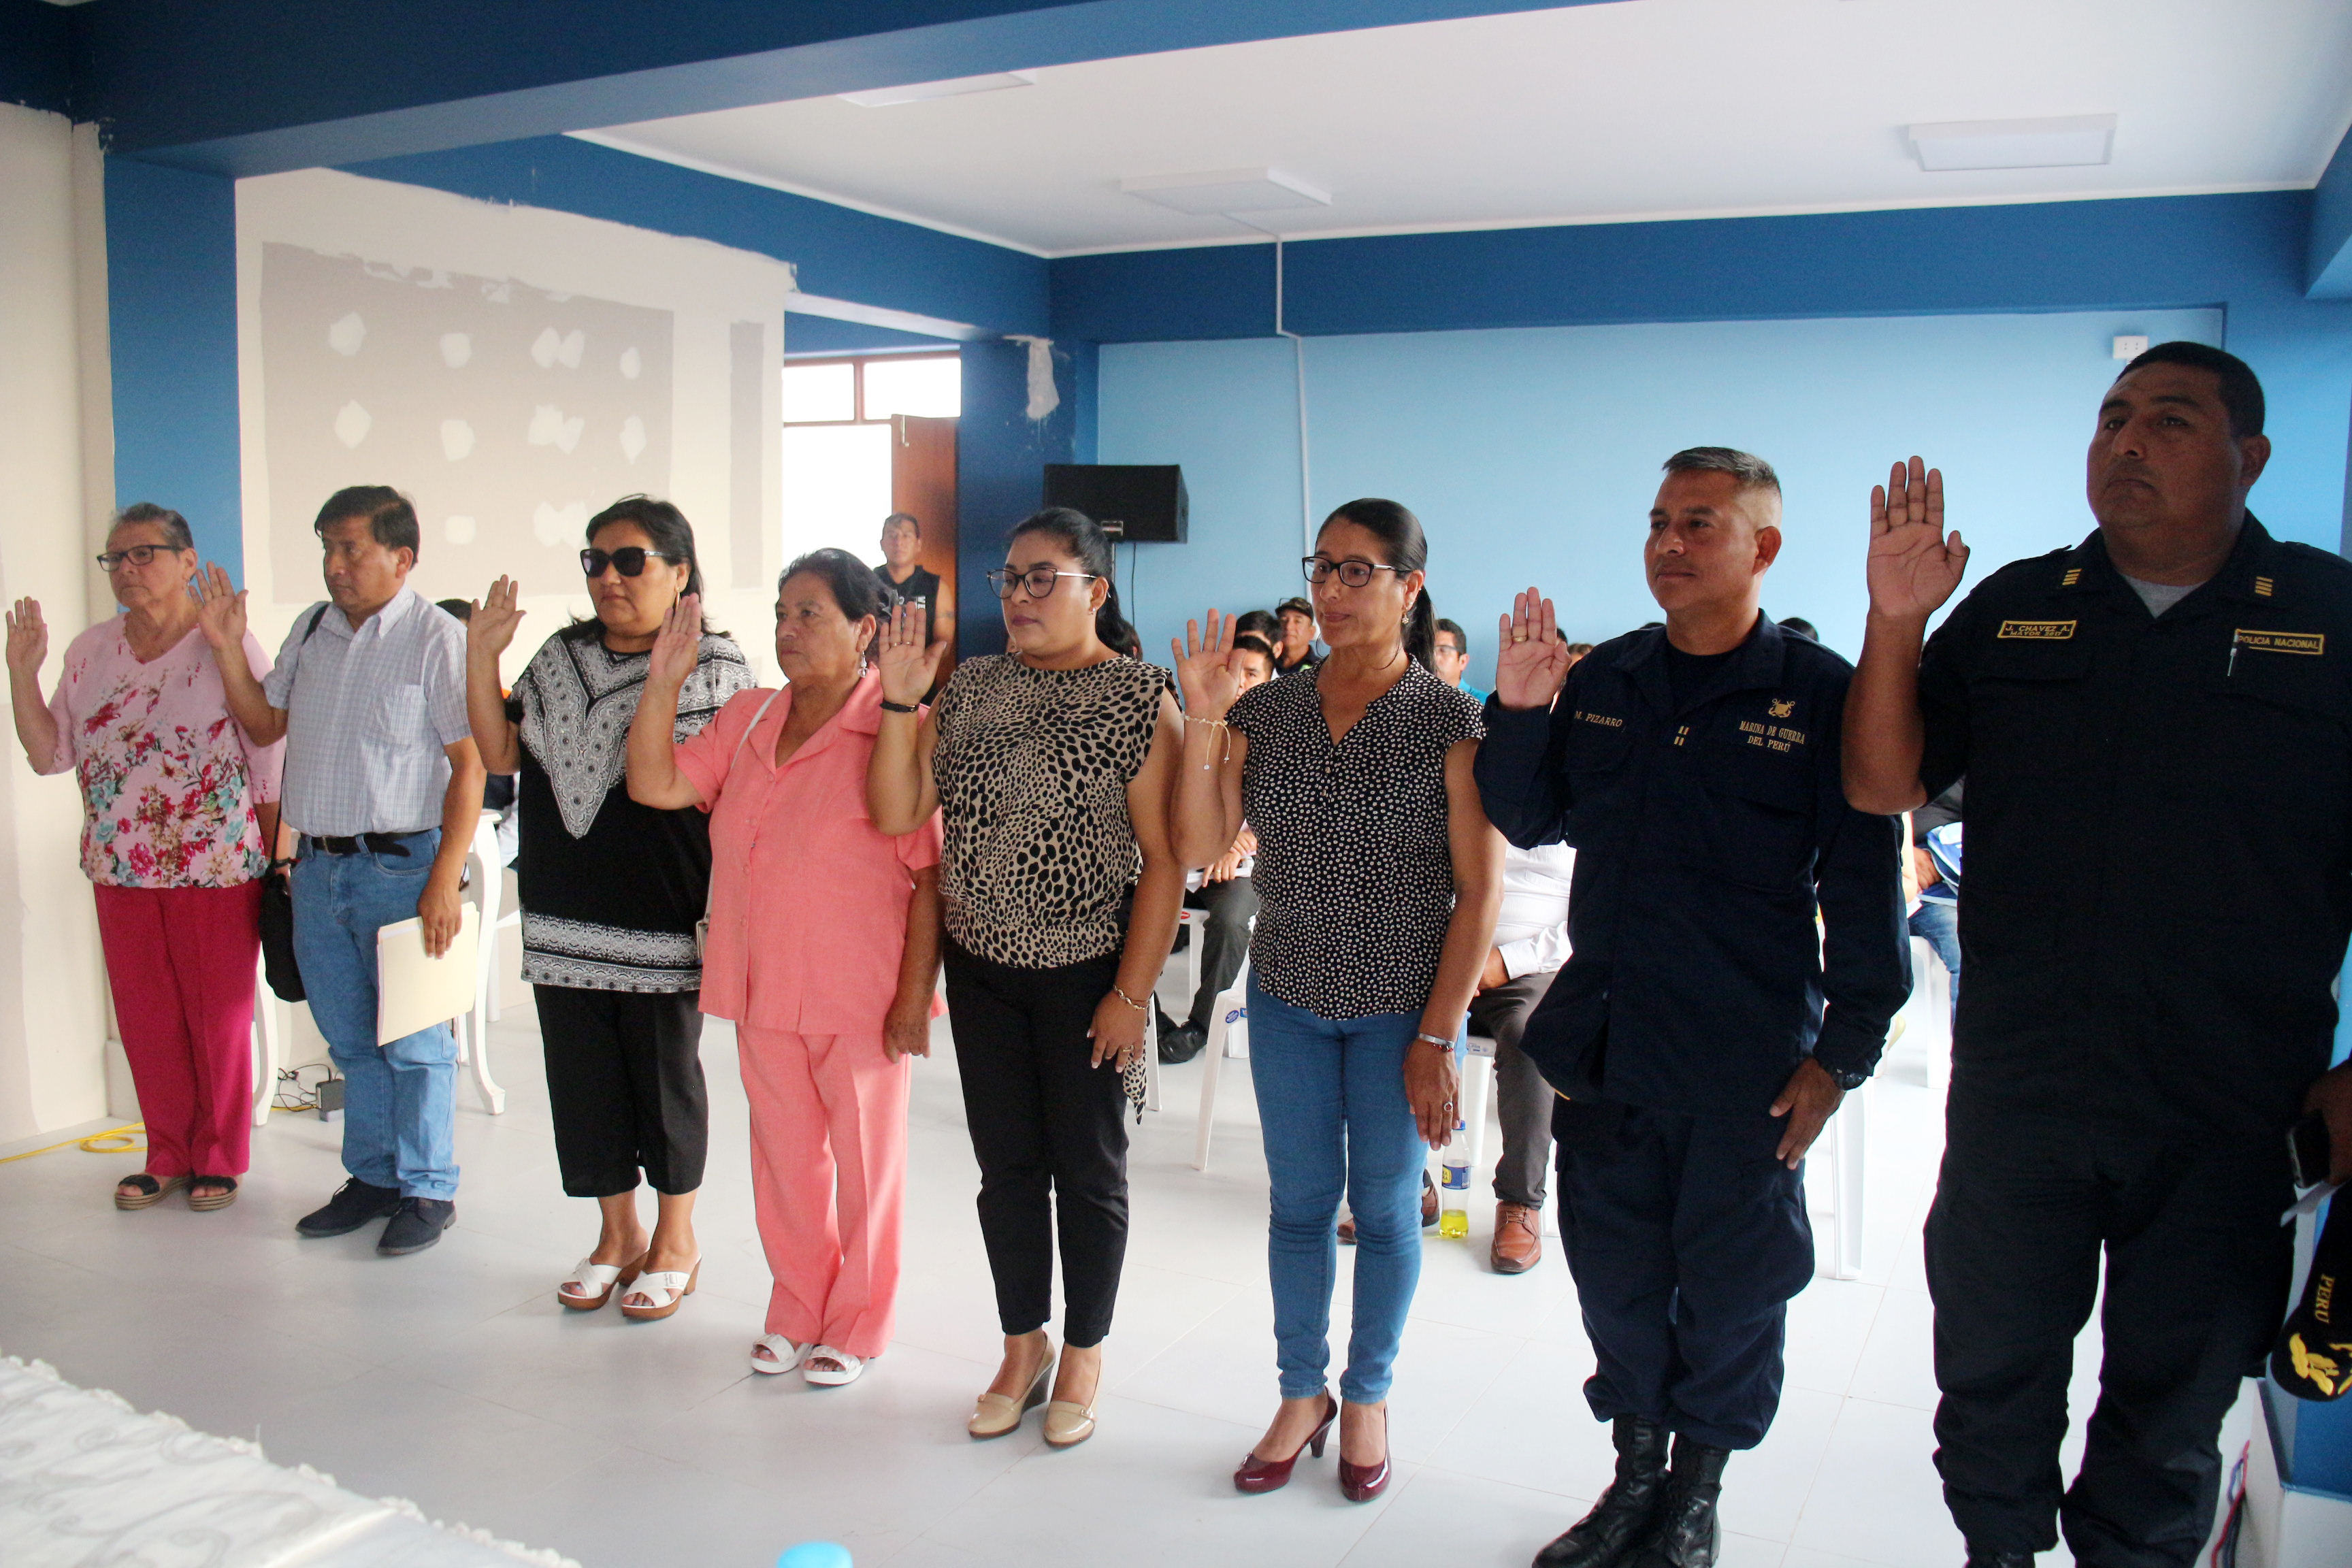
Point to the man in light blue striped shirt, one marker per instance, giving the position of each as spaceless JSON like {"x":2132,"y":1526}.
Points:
{"x":384,"y":785}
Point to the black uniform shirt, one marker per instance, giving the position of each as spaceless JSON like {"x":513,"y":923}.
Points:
{"x":1706,"y":831}
{"x":921,"y":587}
{"x":2157,"y":893}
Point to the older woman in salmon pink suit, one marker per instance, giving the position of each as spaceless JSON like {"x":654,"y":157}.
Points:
{"x":823,"y":948}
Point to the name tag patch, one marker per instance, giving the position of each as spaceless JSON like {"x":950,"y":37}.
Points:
{"x":2037,"y":631}
{"x":1601,"y":719}
{"x":2314,"y":644}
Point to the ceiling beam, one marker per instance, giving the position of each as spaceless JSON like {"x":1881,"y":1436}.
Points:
{"x":270,"y":85}
{"x":2328,"y":272}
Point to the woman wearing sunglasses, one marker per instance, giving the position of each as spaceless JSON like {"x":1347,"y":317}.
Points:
{"x":611,"y":893}
{"x":1379,"y":881}
{"x":180,"y":812}
{"x":1052,"y":765}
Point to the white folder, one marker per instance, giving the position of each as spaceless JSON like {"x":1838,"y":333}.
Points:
{"x":414,"y":991}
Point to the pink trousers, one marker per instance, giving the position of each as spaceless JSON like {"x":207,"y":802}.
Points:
{"x":180,"y":962}
{"x":828,"y":1182}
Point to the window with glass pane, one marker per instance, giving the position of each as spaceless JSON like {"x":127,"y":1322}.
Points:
{"x":927,"y":388}
{"x":820,"y":393}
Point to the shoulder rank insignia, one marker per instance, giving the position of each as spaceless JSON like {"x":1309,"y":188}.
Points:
{"x":2037,"y":631}
{"x":2074,"y":575}
{"x":2263,"y":587}
{"x":1783,"y":706}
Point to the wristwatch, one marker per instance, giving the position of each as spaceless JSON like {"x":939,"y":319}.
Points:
{"x":1848,"y":1081}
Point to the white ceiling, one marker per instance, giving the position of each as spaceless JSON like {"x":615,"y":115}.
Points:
{"x":1645,"y":109}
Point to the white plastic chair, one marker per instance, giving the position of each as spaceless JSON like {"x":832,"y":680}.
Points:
{"x":1931,"y":1009}
{"x":267,"y":1051}
{"x":1477,"y":1084}
{"x":1228,"y":1028}
{"x":1847,"y":1138}
{"x":485,"y":871}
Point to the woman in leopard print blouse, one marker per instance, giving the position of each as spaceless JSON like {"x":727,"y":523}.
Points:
{"x":1052,"y":765}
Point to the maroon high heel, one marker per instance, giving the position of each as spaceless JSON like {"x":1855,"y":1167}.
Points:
{"x":1363,"y":1483}
{"x":1258,"y":1475}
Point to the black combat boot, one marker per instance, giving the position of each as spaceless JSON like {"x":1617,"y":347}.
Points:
{"x":1685,"y":1534}
{"x":1606,"y":1536}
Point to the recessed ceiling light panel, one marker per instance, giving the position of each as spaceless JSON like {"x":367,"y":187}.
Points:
{"x":2066,"y":142}
{"x":955,"y":86}
{"x":1227,"y":191}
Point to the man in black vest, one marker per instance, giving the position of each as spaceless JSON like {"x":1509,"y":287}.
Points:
{"x":2156,"y":727}
{"x":1704,"y":1028}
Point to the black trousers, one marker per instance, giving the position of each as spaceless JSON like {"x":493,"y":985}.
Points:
{"x":1232,"y":905}
{"x":1522,"y":1098}
{"x":2197,"y":1275}
{"x":1687,"y":1239}
{"x":1050,"y":1132}
{"x":624,"y":1084}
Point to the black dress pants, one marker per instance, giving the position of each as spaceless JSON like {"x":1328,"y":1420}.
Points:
{"x":1232,"y":904}
{"x":625,"y":1086}
{"x":1687,"y":1239}
{"x":2197,"y":1268}
{"x":1522,"y":1098}
{"x":1049,"y":1130}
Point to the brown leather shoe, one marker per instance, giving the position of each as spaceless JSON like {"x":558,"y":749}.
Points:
{"x":1518,"y":1238}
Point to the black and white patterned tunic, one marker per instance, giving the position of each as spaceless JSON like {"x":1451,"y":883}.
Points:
{"x":1032,"y":767}
{"x":611,"y":889}
{"x":1354,"y":868}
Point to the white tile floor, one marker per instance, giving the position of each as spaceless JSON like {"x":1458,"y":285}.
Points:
{"x":454,"y":1378}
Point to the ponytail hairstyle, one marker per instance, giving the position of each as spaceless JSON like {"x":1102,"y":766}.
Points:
{"x":1087,"y":542}
{"x":1408,"y":550}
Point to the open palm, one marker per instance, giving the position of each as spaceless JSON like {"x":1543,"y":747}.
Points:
{"x":220,"y":608}
{"x":29,"y":638}
{"x":678,"y":646}
{"x":495,"y":620}
{"x":1914,"y":565}
{"x":1204,"y":667}
{"x":907,"y":658}
{"x":1534,"y":663}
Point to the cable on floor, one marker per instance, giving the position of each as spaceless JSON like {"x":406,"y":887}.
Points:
{"x":91,"y":1144}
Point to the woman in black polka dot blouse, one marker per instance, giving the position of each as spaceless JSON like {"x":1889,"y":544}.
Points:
{"x":1380,"y":880}
{"x":1051,"y":766}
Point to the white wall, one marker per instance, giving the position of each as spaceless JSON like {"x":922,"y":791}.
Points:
{"x":706,"y":290}
{"x":55,"y":448}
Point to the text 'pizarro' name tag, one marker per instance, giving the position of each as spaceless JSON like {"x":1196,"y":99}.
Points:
{"x":2311,"y":643}
{"x":2038,"y":631}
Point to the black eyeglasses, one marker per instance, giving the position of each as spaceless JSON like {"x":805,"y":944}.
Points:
{"x":138,"y":555}
{"x":629,"y":558}
{"x":1038,"y":580}
{"x":1355,"y":574}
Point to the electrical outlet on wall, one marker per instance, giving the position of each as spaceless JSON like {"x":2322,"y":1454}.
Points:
{"x":2131,"y":347}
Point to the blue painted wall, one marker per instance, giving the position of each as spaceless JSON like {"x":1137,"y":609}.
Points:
{"x":823,"y":335}
{"x":170,"y":242}
{"x":35,"y":59}
{"x":2246,"y":255}
{"x":1001,"y":457}
{"x":1531,"y":455}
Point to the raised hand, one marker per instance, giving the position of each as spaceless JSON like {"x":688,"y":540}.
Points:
{"x":909,"y":660}
{"x":29,"y":639}
{"x":220,"y":609}
{"x":1914,"y":566}
{"x":495,"y":620}
{"x":1204,"y":668}
{"x":1532,"y":664}
{"x":679,"y":647}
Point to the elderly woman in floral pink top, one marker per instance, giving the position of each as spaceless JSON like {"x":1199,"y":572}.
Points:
{"x":180,"y":814}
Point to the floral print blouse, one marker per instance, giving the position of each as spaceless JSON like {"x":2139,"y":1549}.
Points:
{"x":169,"y":782}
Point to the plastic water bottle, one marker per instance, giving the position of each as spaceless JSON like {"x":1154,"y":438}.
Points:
{"x":1454,"y":1187}
{"x":814,"y":1554}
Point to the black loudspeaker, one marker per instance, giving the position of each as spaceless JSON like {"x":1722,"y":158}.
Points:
{"x":1136,"y":502}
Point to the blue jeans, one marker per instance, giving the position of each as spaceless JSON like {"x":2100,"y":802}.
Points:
{"x":1939,"y":924}
{"x":1331,"y":1096}
{"x":400,"y":1100}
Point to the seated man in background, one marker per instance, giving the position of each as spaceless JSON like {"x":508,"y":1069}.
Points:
{"x":1298,"y":648}
{"x":1226,"y":891}
{"x":1937,"y":921}
{"x":1449,"y":660}
{"x":1531,"y":946}
{"x":904,"y":581}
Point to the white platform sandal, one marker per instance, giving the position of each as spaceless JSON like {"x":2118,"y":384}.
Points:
{"x":666,"y":1288}
{"x":844,"y":1368}
{"x":590,"y":1284}
{"x":777,"y":1361}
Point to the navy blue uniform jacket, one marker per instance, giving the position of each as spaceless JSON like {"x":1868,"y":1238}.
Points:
{"x":1705,"y":835}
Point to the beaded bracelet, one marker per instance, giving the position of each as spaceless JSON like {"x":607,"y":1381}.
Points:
{"x":1123,"y":997}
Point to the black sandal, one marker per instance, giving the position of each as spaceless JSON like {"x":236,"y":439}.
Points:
{"x":150,"y":1190}
{"x":215,"y":1201}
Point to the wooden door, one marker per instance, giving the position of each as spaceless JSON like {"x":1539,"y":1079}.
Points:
{"x":923,"y":482}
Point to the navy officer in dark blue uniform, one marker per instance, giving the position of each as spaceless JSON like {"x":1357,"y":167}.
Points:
{"x":2157,"y":730}
{"x":1706,"y":1027}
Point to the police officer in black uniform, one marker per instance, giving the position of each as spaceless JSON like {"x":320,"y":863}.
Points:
{"x":2157,"y":730}
{"x":1702,"y":1030}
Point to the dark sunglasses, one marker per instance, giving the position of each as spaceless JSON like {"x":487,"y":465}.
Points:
{"x":629,"y":558}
